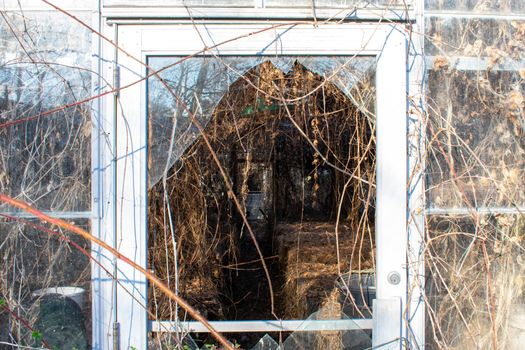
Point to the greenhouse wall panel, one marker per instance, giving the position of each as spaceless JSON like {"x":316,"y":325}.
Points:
{"x":245,"y":182}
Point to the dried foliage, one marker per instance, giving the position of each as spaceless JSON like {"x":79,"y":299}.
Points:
{"x":309,"y":254}
{"x":295,"y":138}
{"x":35,"y":257}
{"x":476,"y":141}
{"x":260,"y":139}
{"x":43,"y":161}
{"x":467,"y":294}
{"x":475,"y":170}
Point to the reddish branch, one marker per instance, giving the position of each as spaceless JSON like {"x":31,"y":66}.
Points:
{"x":111,"y":91}
{"x":152,"y":278}
{"x":23,"y":322}
{"x":82,"y":250}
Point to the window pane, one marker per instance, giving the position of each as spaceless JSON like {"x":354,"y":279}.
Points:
{"x":250,"y":3}
{"x":46,"y":160}
{"x":45,"y":281}
{"x":477,"y":148}
{"x":474,"y":270}
{"x":496,"y":7}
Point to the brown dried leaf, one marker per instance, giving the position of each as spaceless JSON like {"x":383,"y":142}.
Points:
{"x":440,"y":62}
{"x":519,"y":26}
{"x":515,"y":99}
{"x":473,"y":49}
{"x":495,"y":55}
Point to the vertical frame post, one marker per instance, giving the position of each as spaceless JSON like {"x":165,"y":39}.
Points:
{"x":103,"y":193}
{"x":391,"y":198}
{"x":416,"y":201}
{"x":131,"y":194}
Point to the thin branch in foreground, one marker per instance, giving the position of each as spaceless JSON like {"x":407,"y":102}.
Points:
{"x":152,"y":278}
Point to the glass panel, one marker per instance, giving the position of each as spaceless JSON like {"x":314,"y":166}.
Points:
{"x":193,"y":3}
{"x":45,"y":282}
{"x":497,"y":39}
{"x":45,"y":161}
{"x":200,"y":84}
{"x":476,"y":148}
{"x":295,"y":137}
{"x":73,"y":5}
{"x":474,"y":281}
{"x":477,"y":6}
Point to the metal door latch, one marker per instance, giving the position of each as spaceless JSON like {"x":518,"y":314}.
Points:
{"x":394,"y":277}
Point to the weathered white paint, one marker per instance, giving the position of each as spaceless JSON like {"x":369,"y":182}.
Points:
{"x":103,"y":197}
{"x":131,"y":201}
{"x":387,"y":336}
{"x":391,"y":197}
{"x":259,"y":9}
{"x":147,"y":11}
{"x":416,"y":202}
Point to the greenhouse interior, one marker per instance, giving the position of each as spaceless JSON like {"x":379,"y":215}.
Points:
{"x":262,"y":174}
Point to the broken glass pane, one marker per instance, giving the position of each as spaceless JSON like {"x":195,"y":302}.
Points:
{"x":288,"y":133}
{"x":196,"y":86}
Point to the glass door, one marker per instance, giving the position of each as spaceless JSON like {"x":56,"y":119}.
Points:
{"x":262,"y":175}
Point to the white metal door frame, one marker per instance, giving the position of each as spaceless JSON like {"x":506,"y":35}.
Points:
{"x":126,"y":153}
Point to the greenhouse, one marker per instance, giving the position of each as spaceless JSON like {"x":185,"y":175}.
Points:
{"x":262,"y":174}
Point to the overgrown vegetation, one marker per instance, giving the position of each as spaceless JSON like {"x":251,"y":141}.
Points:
{"x":295,"y":139}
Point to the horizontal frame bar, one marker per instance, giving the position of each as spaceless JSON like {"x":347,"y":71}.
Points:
{"x":53,"y":214}
{"x":473,"y":15}
{"x":367,"y":40}
{"x":480,"y":210}
{"x":262,"y":326}
{"x":464,"y":63}
{"x":127,"y":15}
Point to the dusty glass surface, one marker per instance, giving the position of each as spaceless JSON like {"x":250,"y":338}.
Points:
{"x":475,"y":163}
{"x":45,"y":157}
{"x":250,"y":3}
{"x":45,"y":280}
{"x":332,"y":3}
{"x":477,"y":6}
{"x":193,"y":3}
{"x":498,"y":40}
{"x":474,"y":275}
{"x":72,"y":5}
{"x":476,"y":139}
